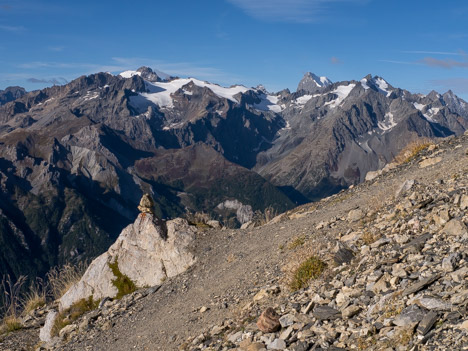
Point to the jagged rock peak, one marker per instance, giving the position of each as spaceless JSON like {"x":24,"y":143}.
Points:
{"x":311,"y":82}
{"x":148,"y":74}
{"x":11,"y":93}
{"x":146,"y":204}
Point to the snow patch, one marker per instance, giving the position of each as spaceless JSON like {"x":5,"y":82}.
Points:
{"x":159,"y":93}
{"x":129,"y":74}
{"x":342,"y":91}
{"x":388,"y":123}
{"x":364,"y":83}
{"x":418,"y":106}
{"x":268,"y":103}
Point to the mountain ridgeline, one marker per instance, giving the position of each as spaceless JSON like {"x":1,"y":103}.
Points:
{"x":73,"y":157}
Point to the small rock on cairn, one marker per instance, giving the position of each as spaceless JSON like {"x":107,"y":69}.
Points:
{"x":146,"y":204}
{"x":268,"y":321}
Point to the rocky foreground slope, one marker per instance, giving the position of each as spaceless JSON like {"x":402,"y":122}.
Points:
{"x":396,"y":276}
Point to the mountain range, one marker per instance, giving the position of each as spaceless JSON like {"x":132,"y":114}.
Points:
{"x":73,"y":156}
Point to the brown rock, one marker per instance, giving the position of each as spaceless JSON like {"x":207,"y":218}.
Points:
{"x":146,"y":204}
{"x":268,"y":321}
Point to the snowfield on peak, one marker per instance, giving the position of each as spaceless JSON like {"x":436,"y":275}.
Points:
{"x":342,"y":91}
{"x":160,"y":93}
{"x":129,"y":74}
{"x":268,"y":103}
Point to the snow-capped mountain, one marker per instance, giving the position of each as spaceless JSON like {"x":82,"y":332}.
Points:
{"x":311,"y":83}
{"x":74,"y":154}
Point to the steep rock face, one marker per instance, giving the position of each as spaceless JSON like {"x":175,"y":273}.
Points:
{"x":147,"y":251}
{"x":335,"y":136}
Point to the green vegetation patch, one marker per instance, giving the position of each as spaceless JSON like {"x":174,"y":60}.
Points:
{"x":71,"y":314}
{"x":122,"y":282}
{"x":311,"y":268}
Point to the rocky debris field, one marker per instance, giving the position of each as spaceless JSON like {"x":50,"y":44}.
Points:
{"x":396,"y":276}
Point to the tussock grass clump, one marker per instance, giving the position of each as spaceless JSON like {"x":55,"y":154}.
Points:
{"x":62,"y":278}
{"x":411,"y":150}
{"x":299,"y":241}
{"x":12,"y":323}
{"x":311,"y":268}
{"x":11,"y":302}
{"x":122,"y":282}
{"x":71,"y":314}
{"x":35,"y":297}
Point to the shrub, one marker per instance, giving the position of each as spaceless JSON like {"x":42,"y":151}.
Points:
{"x":122,"y":282}
{"x":311,"y":268}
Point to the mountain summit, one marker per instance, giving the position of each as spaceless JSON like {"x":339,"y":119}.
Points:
{"x":311,"y":83}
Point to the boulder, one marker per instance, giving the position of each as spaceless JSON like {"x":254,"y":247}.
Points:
{"x":147,"y":251}
{"x":268,"y":322}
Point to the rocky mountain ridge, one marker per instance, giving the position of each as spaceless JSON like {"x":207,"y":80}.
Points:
{"x":395,"y":278}
{"x":76,"y":154}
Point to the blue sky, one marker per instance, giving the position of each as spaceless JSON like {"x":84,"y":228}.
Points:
{"x":417,"y":45}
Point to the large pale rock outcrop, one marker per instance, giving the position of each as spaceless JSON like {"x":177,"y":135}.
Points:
{"x":147,"y":251}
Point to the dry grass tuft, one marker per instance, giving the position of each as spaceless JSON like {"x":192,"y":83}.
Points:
{"x":36,"y":296}
{"x":62,"y":278}
{"x":412,"y":149}
{"x":11,"y":302}
{"x":297,"y":242}
{"x":261,"y":218}
{"x":311,"y":268}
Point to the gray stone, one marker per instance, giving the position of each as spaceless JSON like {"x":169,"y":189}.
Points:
{"x":277,"y":344}
{"x":285,"y":334}
{"x":427,"y":322}
{"x":287,"y":320}
{"x":409,"y":317}
{"x":449,"y":264}
{"x":455,"y":227}
{"x":407,"y":185}
{"x":431,"y":303}
{"x":355,"y":215}
{"x":351,"y":311}
{"x":343,"y":255}
{"x":45,"y":333}
{"x":420,"y":285}
{"x":326,"y":312}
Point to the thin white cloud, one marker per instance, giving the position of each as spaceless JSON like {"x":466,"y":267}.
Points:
{"x":12,"y":28}
{"x":301,"y":11}
{"x":432,"y":52}
{"x":401,"y":62}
